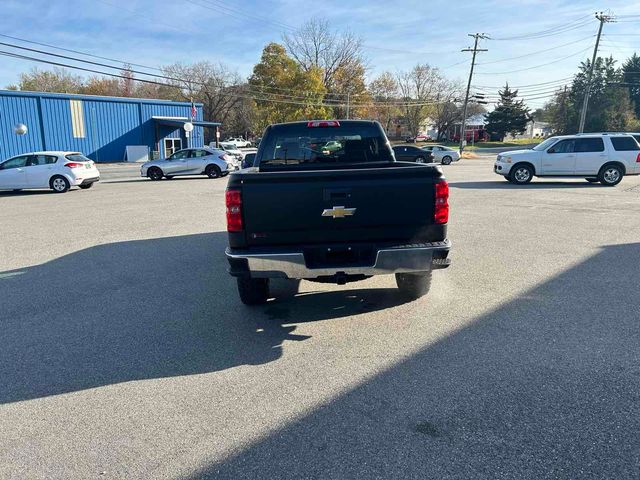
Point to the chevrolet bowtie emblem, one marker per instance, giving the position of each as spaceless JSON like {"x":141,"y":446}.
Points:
{"x":338,"y":212}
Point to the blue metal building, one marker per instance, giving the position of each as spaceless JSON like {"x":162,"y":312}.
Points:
{"x":99,"y":127}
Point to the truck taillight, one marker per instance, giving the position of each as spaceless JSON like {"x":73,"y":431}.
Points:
{"x":638,"y":158}
{"x":233,"y":200}
{"x":441,"y":214}
{"x":323,"y":123}
{"x":74,"y":165}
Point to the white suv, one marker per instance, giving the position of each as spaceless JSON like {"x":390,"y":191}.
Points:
{"x":598,"y":157}
{"x":239,"y":142}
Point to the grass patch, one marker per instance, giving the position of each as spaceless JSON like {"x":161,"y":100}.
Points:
{"x":511,"y":143}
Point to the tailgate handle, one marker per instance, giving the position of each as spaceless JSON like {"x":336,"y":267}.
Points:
{"x":336,"y":194}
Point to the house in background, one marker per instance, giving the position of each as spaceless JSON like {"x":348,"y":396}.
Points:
{"x":534,"y":130}
{"x":474,"y":129}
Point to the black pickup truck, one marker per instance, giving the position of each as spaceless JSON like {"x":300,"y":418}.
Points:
{"x":326,"y":201}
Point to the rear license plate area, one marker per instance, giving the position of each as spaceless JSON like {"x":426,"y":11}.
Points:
{"x":319,"y":257}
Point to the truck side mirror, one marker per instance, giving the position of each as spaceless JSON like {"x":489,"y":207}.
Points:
{"x":248,"y":160}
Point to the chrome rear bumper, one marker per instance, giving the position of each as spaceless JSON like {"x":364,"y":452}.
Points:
{"x":291,"y":264}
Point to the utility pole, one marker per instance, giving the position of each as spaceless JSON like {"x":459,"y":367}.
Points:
{"x":475,"y":50}
{"x":348,"y":98}
{"x":583,"y":115}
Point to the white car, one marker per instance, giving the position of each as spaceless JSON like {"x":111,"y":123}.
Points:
{"x":239,"y":142}
{"x":58,"y":171}
{"x":230,"y":148}
{"x":207,"y":161}
{"x":442,"y":154}
{"x":601,"y":157}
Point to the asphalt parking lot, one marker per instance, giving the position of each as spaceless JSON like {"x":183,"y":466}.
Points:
{"x":126,"y":353}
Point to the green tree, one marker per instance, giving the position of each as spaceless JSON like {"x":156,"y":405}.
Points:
{"x":286,"y":92}
{"x":560,"y":112}
{"x":510,"y":115}
{"x":610,"y":107}
{"x":631,"y":78}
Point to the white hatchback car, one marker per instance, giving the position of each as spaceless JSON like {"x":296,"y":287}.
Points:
{"x":597,"y":157}
{"x":58,"y":171}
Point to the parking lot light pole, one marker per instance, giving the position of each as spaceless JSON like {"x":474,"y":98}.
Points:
{"x":475,"y":49}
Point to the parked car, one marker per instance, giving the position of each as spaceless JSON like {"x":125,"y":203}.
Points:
{"x":58,"y":171}
{"x":423,"y":137}
{"x":238,"y":142}
{"x":409,"y":153}
{"x":236,"y":154}
{"x":603,"y":158}
{"x":334,"y":217}
{"x":442,"y":154}
{"x":207,"y":161}
{"x":332,"y":145}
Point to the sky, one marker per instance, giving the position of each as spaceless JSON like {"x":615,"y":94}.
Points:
{"x":397,"y":34}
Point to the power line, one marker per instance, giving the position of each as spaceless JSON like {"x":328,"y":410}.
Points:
{"x":123,"y":64}
{"x":213,"y":5}
{"x":529,"y":85}
{"x":564,"y":24}
{"x":220,"y":7}
{"x":536,"y":66}
{"x":557,"y":30}
{"x":227,"y":93}
{"x":536,"y":52}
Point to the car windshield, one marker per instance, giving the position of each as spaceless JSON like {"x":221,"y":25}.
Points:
{"x":77,"y":157}
{"x":299,"y":144}
{"x":547,"y":143}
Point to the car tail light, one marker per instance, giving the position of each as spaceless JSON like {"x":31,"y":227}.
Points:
{"x":323,"y":123}
{"x":441,"y":214}
{"x":638,"y":158}
{"x":74,"y":165}
{"x":233,"y":200}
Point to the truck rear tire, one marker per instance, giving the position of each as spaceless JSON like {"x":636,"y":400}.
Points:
{"x":253,"y":291}
{"x":414,"y":285}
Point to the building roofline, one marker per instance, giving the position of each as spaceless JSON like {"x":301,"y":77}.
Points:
{"x":28,"y":93}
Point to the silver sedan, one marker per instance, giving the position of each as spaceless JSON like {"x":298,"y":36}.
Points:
{"x":442,"y":154}
{"x":207,"y":161}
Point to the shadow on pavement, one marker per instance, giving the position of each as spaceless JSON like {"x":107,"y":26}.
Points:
{"x":145,"y":309}
{"x":128,"y":179}
{"x":546,"y":386}
{"x":28,"y":193}
{"x":534,"y":185}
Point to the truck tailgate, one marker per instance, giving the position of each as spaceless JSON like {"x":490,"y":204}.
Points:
{"x":391,"y":204}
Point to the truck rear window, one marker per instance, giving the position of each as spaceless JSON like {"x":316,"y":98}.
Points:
{"x":624,"y":144}
{"x":300,"y":145}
